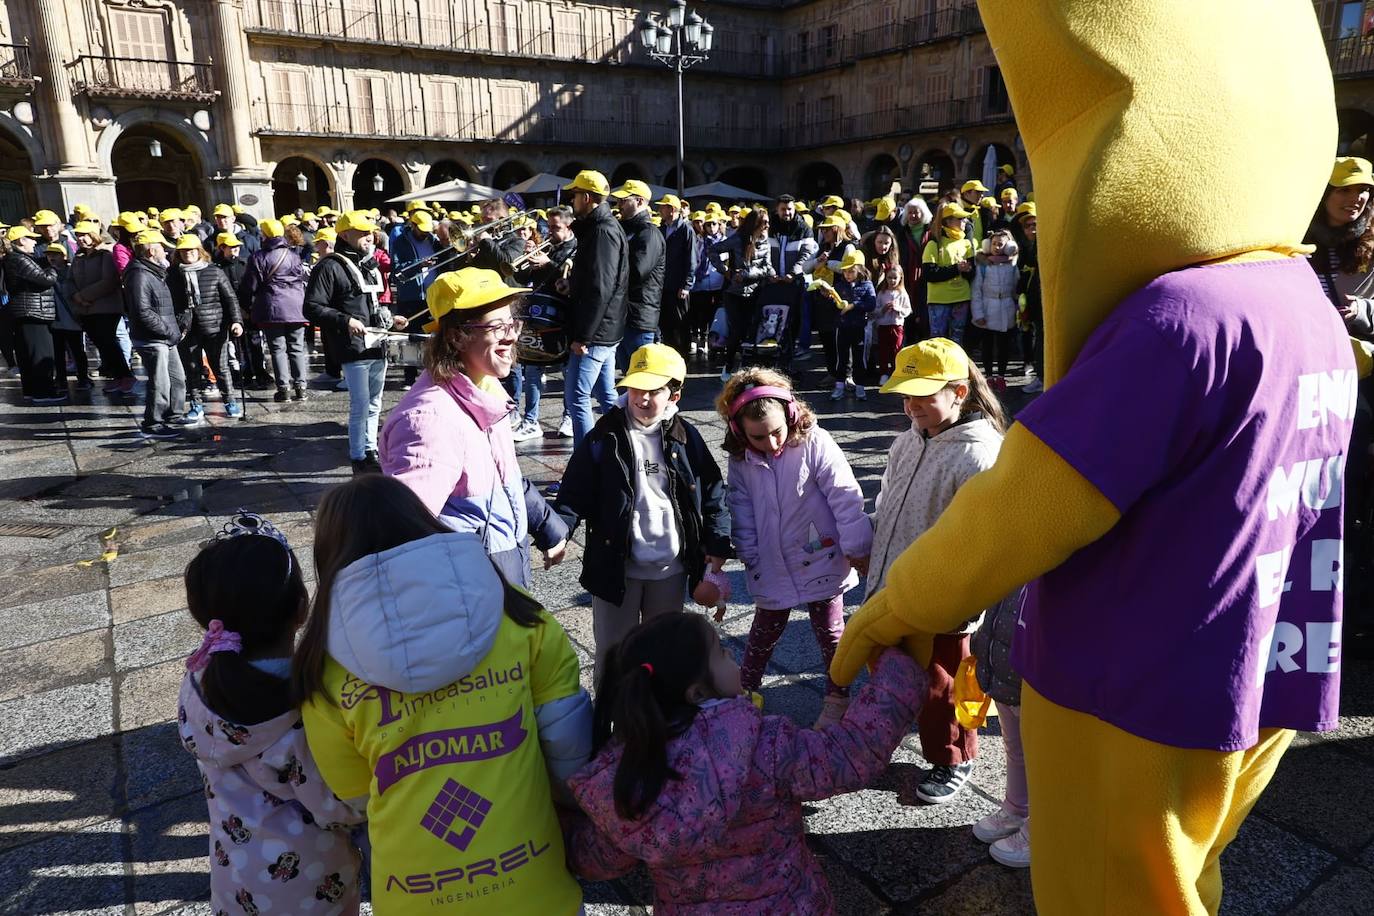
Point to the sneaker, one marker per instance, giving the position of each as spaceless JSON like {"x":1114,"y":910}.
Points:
{"x":341,"y":384}
{"x":832,"y":711}
{"x":127,"y":385}
{"x":157,"y":431}
{"x":187,"y":419}
{"x":194,"y":414}
{"x":373,"y":461}
{"x":260,"y":382}
{"x":58,"y":398}
{"x":516,"y":421}
{"x":860,"y":393}
{"x":1033,"y":386}
{"x":944,"y":783}
{"x":361,"y":467}
{"x":298,"y":392}
{"x":838,"y":393}
{"x":282,"y":396}
{"x":234,"y":409}
{"x":1013,"y":851}
{"x":565,"y":427}
{"x":527,"y":430}
{"x":997,"y":825}
{"x":84,"y":384}
{"x":551,"y":491}
{"x":210,"y":394}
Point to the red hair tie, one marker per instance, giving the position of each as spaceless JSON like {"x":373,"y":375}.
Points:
{"x":647,"y":667}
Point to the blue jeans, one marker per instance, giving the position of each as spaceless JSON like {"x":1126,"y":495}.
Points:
{"x":631,"y":342}
{"x":366,"y":377}
{"x":122,"y":335}
{"x":588,"y":376}
{"x":948,"y":320}
{"x":530,"y":380}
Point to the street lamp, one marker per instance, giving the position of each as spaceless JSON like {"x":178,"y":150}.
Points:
{"x":378,"y":182}
{"x":680,"y":39}
{"x":155,"y":149}
{"x":301,"y":181}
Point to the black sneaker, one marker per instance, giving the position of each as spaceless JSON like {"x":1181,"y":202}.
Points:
{"x":157,"y":431}
{"x":58,"y":398}
{"x":944,"y":783}
{"x":364,"y":466}
{"x":299,"y":393}
{"x":373,"y":461}
{"x":282,"y":396}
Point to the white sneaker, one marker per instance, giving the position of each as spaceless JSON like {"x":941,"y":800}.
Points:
{"x":1033,"y":386}
{"x":516,"y":421}
{"x":838,"y":393}
{"x":860,"y":393}
{"x":527,"y":431}
{"x":1013,"y":851}
{"x":997,"y":825}
{"x":565,"y":427}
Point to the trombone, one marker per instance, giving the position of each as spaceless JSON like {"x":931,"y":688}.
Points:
{"x":460,"y":246}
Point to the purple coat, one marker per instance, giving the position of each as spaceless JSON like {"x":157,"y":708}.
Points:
{"x":796,"y":518}
{"x":728,"y":837}
{"x":274,"y":285}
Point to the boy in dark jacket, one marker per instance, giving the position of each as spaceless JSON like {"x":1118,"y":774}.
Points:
{"x":653,"y":499}
{"x":208,"y":313}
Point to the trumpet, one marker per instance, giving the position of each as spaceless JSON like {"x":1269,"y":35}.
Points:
{"x":520,"y":262}
{"x":460,"y":247}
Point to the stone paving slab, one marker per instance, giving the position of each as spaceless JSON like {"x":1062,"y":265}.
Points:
{"x":102,"y":811}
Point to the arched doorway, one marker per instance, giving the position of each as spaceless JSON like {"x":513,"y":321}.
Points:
{"x":153,"y":167}
{"x":881,"y":172}
{"x":510,"y":173}
{"x":18,"y":195}
{"x":375,"y":181}
{"x":688,"y":177}
{"x":749,"y":177}
{"x":446,"y":170}
{"x":1354,"y":129}
{"x":288,"y":177}
{"x":934,"y":172}
{"x":1001,"y":155}
{"x":570,"y":169}
{"x":819,"y":179}
{"x":626,"y":171}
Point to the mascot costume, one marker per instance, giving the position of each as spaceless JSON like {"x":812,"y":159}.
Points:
{"x":1174,"y":496}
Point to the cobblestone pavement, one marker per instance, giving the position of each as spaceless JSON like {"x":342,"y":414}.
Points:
{"x":101,"y":810}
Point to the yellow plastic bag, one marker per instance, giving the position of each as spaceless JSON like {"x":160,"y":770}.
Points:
{"x":970,"y":703}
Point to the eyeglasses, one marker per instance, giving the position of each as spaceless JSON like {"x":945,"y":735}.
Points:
{"x":499,"y":328}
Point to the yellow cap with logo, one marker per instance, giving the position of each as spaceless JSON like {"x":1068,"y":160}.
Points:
{"x":188,"y":242}
{"x":669,"y":200}
{"x":20,"y":232}
{"x":698,"y":216}
{"x":834,"y":200}
{"x":852,"y":258}
{"x":151,"y":237}
{"x":421,"y":220}
{"x":633,"y":188}
{"x":1025,"y":209}
{"x":925,"y":368}
{"x":46,"y":218}
{"x":593,"y":181}
{"x":222,"y":210}
{"x":949,"y":210}
{"x":355,"y":220}
{"x":326,"y":234}
{"x":1350,"y":170}
{"x":973,"y":184}
{"x":652,"y":366}
{"x":228,"y":240}
{"x":467,"y":289}
{"x":86,"y":227}
{"x":131,"y":221}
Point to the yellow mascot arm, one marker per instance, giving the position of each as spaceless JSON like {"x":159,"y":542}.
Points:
{"x":1364,"y":356}
{"x":1031,"y":498}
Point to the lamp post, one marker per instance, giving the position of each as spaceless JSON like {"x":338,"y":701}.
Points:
{"x":679,"y":40}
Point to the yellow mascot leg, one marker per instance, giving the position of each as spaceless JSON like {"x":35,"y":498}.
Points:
{"x":1123,"y":825}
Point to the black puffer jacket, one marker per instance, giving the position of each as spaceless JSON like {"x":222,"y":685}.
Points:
{"x":644,"y":295}
{"x":598,"y":488}
{"x":30,"y":285}
{"x":204,"y":298}
{"x":148,"y":303}
{"x":600,"y":279}
{"x":334,"y":295}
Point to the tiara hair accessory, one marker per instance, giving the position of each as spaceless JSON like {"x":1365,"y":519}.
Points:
{"x":246,"y":523}
{"x":217,"y":639}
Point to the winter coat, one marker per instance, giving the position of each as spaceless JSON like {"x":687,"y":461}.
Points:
{"x":994,"y":294}
{"x":235,"y":268}
{"x":499,"y":254}
{"x":451,"y":718}
{"x":992,"y":647}
{"x":598,"y":486}
{"x":273,"y":287}
{"x":861,"y":295}
{"x":945,"y":285}
{"x":790,"y":245}
{"x":644,"y":294}
{"x":728,"y":837}
{"x":278,"y":836}
{"x":29,"y":282}
{"x":452,"y":445}
{"x":544,"y":278}
{"x":680,"y":258}
{"x":709,"y":276}
{"x":407,"y":250}
{"x":203,"y":294}
{"x":338,"y":291}
{"x":95,"y":279}
{"x":920,"y":480}
{"x":742,"y":279}
{"x":123,"y":256}
{"x":148,"y":303}
{"x":600,"y":279}
{"x":894,"y":305}
{"x":796,"y":519}
{"x":62,"y":298}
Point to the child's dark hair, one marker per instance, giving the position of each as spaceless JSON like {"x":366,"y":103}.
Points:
{"x":369,"y":514}
{"x":759,"y":409}
{"x":253,"y":585}
{"x":674,"y":386}
{"x":642,"y":702}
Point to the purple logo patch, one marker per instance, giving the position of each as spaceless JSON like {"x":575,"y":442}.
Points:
{"x":456,"y":803}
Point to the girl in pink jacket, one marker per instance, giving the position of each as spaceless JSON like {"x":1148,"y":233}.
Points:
{"x":696,"y":783}
{"x":797,"y":520}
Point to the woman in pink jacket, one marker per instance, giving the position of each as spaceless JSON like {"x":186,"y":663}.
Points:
{"x":707,"y":791}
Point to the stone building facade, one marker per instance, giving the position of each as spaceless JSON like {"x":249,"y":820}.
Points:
{"x":279,"y":103}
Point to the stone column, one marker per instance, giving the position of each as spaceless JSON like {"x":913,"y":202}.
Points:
{"x":249,"y":182}
{"x":55,"y":91}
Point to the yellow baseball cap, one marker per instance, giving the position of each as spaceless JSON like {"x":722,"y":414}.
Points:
{"x":596,"y":183}
{"x":698,"y":215}
{"x":152,"y":211}
{"x":834,"y":221}
{"x":949,"y":210}
{"x":326,"y":234}
{"x":20,"y":232}
{"x":852,"y":258}
{"x":191,"y":210}
{"x":834,"y":200}
{"x":669,"y":200}
{"x":223,"y":210}
{"x":413,"y":205}
{"x":973,"y":184}
{"x":987,"y":202}
{"x":1008,"y":169}
{"x":927,"y":367}
{"x":1351,"y":170}
{"x":228,"y":239}
{"x":800,"y":206}
{"x":189,"y":242}
{"x":1008,"y":192}
{"x":82,"y":211}
{"x":271,"y":228}
{"x":421,"y":220}
{"x":239,"y":208}
{"x":325,"y":211}
{"x":469,"y":288}
{"x":56,"y":248}
{"x":356,"y":220}
{"x":289,"y":220}
{"x":652,"y":366}
{"x":46,"y":218}
{"x":1025,"y":209}
{"x":171,"y":213}
{"x":131,"y":221}
{"x":86,"y":227}
{"x":733,"y":209}
{"x":151,"y":237}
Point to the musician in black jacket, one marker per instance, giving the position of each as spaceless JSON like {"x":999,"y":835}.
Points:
{"x":644,"y":294}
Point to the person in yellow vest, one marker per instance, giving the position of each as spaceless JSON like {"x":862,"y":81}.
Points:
{"x":971,"y":196}
{"x":947,"y":264}
{"x":1183,"y":616}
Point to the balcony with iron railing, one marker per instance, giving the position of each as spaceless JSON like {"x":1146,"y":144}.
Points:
{"x":941,"y":25}
{"x":1351,"y":57}
{"x":950,"y":114}
{"x":16,"y":67}
{"x":143,"y":78}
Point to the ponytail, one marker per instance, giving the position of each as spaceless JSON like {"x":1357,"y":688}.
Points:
{"x":642,"y":704}
{"x":982,"y":399}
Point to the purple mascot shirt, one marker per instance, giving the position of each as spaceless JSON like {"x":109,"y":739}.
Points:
{"x":1213,"y":408}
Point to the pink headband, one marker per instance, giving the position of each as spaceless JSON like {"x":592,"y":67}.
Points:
{"x":760,"y":391}
{"x":217,"y":639}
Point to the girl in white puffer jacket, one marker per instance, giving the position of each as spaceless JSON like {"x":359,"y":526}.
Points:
{"x":994,"y":302}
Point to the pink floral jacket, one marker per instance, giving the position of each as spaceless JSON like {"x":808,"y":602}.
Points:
{"x":727,"y":839}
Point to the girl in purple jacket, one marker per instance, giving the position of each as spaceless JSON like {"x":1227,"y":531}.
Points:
{"x":797,"y":520}
{"x":692,"y":780}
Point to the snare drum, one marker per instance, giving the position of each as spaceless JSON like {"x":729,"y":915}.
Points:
{"x":406,"y":350}
{"x":544,"y":340}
